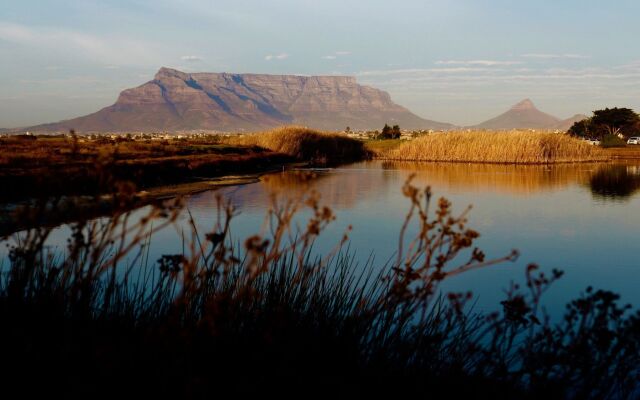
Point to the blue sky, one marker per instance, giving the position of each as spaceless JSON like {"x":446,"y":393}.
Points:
{"x":458,"y":61}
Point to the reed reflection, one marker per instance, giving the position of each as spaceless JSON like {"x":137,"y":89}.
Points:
{"x":508,"y":179}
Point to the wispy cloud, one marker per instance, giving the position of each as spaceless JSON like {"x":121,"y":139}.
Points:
{"x":110,"y":50}
{"x":409,"y":72}
{"x":503,"y":75}
{"x":494,"y":83}
{"x":487,"y":63}
{"x":336,"y":54}
{"x":191,"y":58}
{"x":546,"y":56}
{"x":478,"y":87}
{"x":281,"y":56}
{"x":633,"y":66}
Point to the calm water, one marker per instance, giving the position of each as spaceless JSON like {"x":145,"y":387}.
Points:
{"x":583,"y":219}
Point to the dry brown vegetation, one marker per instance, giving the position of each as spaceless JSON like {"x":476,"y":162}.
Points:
{"x":57,"y":165}
{"x":514,"y":147}
{"x":45,"y":150}
{"x":307,"y":144}
{"x":54,"y":165}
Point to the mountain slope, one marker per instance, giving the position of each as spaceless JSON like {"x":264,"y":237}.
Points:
{"x":175,"y":101}
{"x":565,"y":124}
{"x":521,"y":116}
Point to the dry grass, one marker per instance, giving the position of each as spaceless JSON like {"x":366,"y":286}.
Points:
{"x":47,"y":151}
{"x":307,"y":144}
{"x":514,"y":147}
{"x":378,"y":147}
{"x":49,"y":166}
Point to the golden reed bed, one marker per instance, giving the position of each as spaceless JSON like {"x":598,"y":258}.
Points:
{"x":513,"y":147}
{"x":307,"y":144}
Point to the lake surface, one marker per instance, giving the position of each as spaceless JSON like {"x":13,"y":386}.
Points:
{"x":583,"y":219}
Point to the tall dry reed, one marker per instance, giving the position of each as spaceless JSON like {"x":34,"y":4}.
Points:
{"x":307,"y":144}
{"x":514,"y":147}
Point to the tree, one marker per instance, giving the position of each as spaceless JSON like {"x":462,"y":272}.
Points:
{"x":581,"y":128}
{"x":386,"y":132}
{"x":389,"y":132}
{"x":395,"y":132}
{"x":614,"y":121}
{"x":610,"y":121}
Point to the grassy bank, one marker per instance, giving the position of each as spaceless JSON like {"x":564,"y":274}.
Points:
{"x":88,"y":173}
{"x":100,"y":319}
{"x":307,"y":144}
{"x":516,"y":147}
{"x":378,"y":147}
{"x":48,"y":166}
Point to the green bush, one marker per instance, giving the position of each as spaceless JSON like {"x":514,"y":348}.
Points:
{"x":612,"y":141}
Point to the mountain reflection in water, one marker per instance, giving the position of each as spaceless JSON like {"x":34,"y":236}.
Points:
{"x":610,"y":181}
{"x":568,"y":216}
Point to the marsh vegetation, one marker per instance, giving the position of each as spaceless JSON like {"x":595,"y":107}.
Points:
{"x":516,"y":147}
{"x":306,"y":144}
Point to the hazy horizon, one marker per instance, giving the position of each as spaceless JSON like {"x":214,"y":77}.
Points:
{"x":461,"y":63}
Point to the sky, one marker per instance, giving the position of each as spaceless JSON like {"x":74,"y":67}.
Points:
{"x":457,"y":61}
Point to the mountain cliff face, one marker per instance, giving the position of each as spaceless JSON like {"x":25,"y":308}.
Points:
{"x":175,"y":101}
{"x":521,"y":116}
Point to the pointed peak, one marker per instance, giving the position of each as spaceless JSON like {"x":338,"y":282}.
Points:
{"x":525,"y":104}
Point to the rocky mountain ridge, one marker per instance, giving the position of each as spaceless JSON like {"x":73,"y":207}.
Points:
{"x":178,"y":101}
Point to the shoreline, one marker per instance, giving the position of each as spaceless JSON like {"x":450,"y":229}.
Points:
{"x":74,"y":207}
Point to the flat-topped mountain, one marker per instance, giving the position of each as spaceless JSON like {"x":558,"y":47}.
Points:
{"x":175,"y":101}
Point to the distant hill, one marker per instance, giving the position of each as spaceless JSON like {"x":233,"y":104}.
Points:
{"x":175,"y":101}
{"x":565,"y":124}
{"x":522,"y":115}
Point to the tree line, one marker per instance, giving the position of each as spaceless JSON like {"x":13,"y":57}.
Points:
{"x":621,"y":122}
